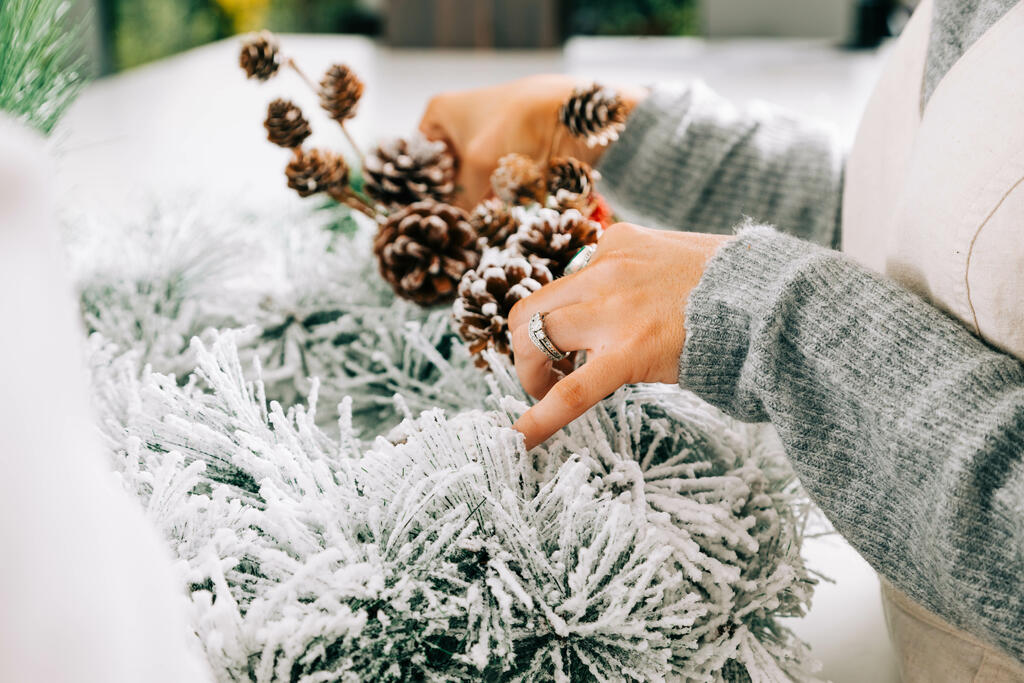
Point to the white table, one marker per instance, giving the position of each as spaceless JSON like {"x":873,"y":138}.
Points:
{"x":192,"y":122}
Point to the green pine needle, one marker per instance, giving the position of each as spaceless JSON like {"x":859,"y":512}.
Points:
{"x":40,"y":61}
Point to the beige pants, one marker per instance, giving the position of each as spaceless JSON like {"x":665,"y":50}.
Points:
{"x":931,"y":651}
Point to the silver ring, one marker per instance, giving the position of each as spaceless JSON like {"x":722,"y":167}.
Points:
{"x":581,"y":259}
{"x":540,"y":338}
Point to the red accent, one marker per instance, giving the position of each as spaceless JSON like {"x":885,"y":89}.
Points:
{"x":602,"y":213}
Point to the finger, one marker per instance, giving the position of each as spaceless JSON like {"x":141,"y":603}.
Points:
{"x":570,"y":329}
{"x":535,"y":370}
{"x":571,"y":397}
{"x":565,"y":291}
{"x":575,"y":327}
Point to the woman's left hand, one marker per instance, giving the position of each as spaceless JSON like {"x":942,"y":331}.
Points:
{"x":626,"y":309}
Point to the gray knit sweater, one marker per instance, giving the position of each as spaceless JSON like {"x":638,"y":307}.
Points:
{"x":907,"y":430}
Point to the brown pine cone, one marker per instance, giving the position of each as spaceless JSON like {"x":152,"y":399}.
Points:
{"x":594,"y":113}
{"x":487,"y":294}
{"x":570,"y":182}
{"x":518,"y":180}
{"x":424,"y":249}
{"x":555,"y":238}
{"x":260,"y":56}
{"x":403,"y":171}
{"x":317,"y":170}
{"x":340,"y":90}
{"x":493,"y":222}
{"x":285,"y":124}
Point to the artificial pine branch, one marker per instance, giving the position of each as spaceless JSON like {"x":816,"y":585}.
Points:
{"x":311,"y":300}
{"x":40,"y":61}
{"x":654,"y":539}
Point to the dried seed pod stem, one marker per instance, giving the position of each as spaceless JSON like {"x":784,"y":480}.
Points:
{"x":352,"y":199}
{"x":403,"y":171}
{"x":554,"y":237}
{"x":294,"y":66}
{"x":352,"y":142}
{"x":285,"y":124}
{"x":595,"y":114}
{"x":260,"y":56}
{"x":570,"y":184}
{"x":340,"y":91}
{"x":518,"y":180}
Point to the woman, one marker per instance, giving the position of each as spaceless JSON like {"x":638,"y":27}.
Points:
{"x":892,"y":373}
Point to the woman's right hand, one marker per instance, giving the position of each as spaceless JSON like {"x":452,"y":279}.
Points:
{"x":485,"y":124}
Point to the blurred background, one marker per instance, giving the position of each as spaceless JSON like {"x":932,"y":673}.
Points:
{"x":133,"y":32}
{"x":172,"y":109}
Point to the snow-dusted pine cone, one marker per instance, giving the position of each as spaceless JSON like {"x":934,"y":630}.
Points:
{"x":317,"y":170}
{"x":285,"y":124}
{"x":518,"y":180}
{"x":424,"y":249}
{"x":594,"y":113}
{"x":340,"y":90}
{"x":260,"y":56}
{"x":494,"y":222}
{"x":403,"y":171}
{"x":487,"y":294}
{"x":555,"y":237}
{"x":570,"y":182}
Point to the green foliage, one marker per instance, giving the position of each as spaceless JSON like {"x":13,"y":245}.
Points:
{"x":633,"y":17}
{"x":322,"y":16}
{"x":141,"y":31}
{"x":145,"y":30}
{"x":40,"y":61}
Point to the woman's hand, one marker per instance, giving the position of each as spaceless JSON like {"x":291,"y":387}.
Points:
{"x":626,"y":309}
{"x":485,"y":124}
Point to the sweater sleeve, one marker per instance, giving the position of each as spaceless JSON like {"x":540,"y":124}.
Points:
{"x":906,"y":429}
{"x":691,"y":160}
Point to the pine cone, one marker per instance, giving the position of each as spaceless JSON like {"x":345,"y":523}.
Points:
{"x":493,"y":222}
{"x":424,"y":249}
{"x":594,"y":113}
{"x":285,"y":124}
{"x":571,"y":183}
{"x":260,"y":56}
{"x":518,"y":180}
{"x":404,"y":171}
{"x":487,"y":294}
{"x":315,"y":170}
{"x":340,"y":90}
{"x":555,"y":238}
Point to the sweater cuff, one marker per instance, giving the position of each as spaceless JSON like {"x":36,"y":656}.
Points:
{"x":646,"y":149}
{"x":731,"y":303}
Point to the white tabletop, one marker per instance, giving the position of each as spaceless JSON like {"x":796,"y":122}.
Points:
{"x":193,"y":123}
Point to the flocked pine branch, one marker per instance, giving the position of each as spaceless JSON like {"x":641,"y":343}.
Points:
{"x":654,"y":540}
{"x":40,"y":61}
{"x":654,"y":537}
{"x":310,"y":302}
